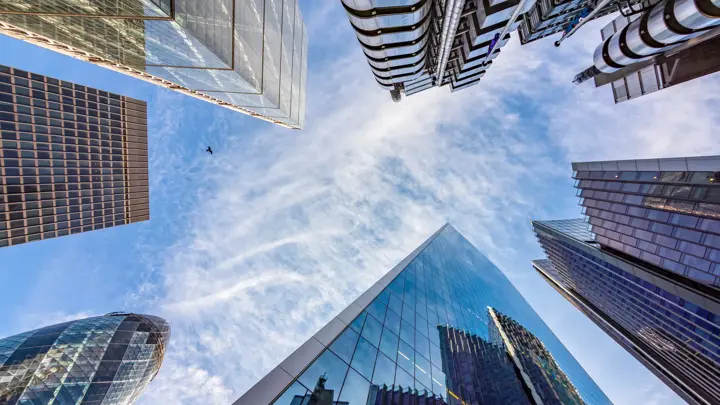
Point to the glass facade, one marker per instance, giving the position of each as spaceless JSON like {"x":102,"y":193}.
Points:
{"x":670,"y":325}
{"x":668,"y":217}
{"x":72,"y":159}
{"x":425,"y":332}
{"x":104,"y":360}
{"x":247,"y":55}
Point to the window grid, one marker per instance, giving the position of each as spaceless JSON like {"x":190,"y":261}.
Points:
{"x":67,"y":172}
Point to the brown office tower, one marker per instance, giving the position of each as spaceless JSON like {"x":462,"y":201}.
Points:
{"x":73,"y":158}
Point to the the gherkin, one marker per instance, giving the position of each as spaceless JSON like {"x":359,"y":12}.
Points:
{"x":103,"y":360}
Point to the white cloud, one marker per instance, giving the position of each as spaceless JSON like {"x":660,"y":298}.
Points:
{"x":294,"y":225}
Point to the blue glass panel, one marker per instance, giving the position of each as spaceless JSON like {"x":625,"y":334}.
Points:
{"x":404,"y":379}
{"x":296,"y":394}
{"x":406,"y":357}
{"x":409,"y":299}
{"x":355,"y":390}
{"x":358,"y":322}
{"x":435,"y":355}
{"x":433,"y":335}
{"x":384,"y":371}
{"x":328,"y":365}
{"x":364,"y":358}
{"x":377,"y":309}
{"x":421,"y":326}
{"x":407,"y":333}
{"x":422,"y":345}
{"x":395,"y":303}
{"x":372,"y":331}
{"x":397,"y":287}
{"x":408,"y":315}
{"x":392,"y":321}
{"x":389,"y":343}
{"x":344,"y":345}
{"x":384,"y":296}
{"x":422,"y":370}
{"x":439,"y":384}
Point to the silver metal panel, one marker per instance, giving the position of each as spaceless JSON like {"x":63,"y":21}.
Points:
{"x":265,"y":390}
{"x":703,"y":163}
{"x":610,"y":166}
{"x":627,"y":165}
{"x":648,"y":165}
{"x":330,"y":331}
{"x":301,"y":357}
{"x":349,"y":313}
{"x":366,"y":298}
{"x":673,"y":164}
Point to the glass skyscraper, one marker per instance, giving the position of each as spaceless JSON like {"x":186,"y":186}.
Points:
{"x":104,"y":360}
{"x":246,"y":55}
{"x":665,"y":212}
{"x":72,"y":159}
{"x":645,"y":268}
{"x":443,"y":327}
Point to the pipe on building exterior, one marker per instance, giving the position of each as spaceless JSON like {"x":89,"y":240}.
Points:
{"x":453,"y":9}
{"x":665,"y":25}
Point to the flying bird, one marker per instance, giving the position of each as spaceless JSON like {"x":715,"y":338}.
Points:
{"x":209,"y":149}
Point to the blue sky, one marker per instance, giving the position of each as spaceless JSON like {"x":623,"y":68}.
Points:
{"x":248,"y":252}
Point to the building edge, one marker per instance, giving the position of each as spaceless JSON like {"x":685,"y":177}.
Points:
{"x":270,"y":387}
{"x":626,"y":340}
{"x":56,"y":46}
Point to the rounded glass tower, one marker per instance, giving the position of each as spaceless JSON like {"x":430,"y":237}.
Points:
{"x":103,"y":360}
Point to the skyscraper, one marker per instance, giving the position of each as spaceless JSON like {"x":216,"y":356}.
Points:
{"x":246,"y":55}
{"x":645,"y":271}
{"x":641,"y":53}
{"x":73,"y":158}
{"x":664,"y":212}
{"x":106,"y":360}
{"x":417,"y":334}
{"x":549,"y":17}
{"x":419,"y":45}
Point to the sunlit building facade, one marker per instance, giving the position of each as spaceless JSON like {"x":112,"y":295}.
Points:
{"x":644,"y":264}
{"x":665,"y":212}
{"x":424,"y":333}
{"x":412,"y":45}
{"x":247,"y":55}
{"x":72,"y":158}
{"x":104,"y":360}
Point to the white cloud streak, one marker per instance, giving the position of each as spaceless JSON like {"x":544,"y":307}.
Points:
{"x":294,"y":225}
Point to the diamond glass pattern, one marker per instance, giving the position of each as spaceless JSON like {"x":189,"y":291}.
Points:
{"x":106,"y":360}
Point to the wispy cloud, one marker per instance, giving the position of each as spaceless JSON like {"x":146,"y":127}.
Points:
{"x":292,"y":226}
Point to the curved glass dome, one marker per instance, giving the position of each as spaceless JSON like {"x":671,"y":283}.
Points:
{"x":103,"y":360}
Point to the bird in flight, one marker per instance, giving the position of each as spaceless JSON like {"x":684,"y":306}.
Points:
{"x":209,"y":149}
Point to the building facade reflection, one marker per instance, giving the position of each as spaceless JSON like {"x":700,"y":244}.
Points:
{"x":423,"y":333}
{"x":246,"y":55}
